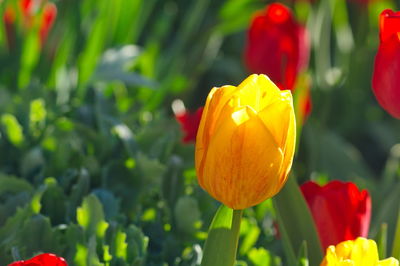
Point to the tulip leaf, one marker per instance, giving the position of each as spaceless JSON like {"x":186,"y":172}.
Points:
{"x":262,"y":257}
{"x":287,"y":246}
{"x":302,"y":258}
{"x":91,"y":216}
{"x":385,"y":214}
{"x":296,"y":223}
{"x":396,"y":242}
{"x":381,"y":240}
{"x":223,"y":236}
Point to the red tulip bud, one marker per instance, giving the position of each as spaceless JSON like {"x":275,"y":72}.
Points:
{"x":340,"y":211}
{"x":46,"y":259}
{"x":9,"y":21}
{"x":277,"y":45}
{"x":48,"y":18}
{"x":385,"y":83}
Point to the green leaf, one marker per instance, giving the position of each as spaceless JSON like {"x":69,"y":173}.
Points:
{"x":9,"y":231}
{"x":94,"y":45}
{"x":137,"y":245}
{"x":13,"y":129}
{"x":172,"y":183}
{"x":296,"y":221}
{"x":29,"y":58}
{"x":235,"y":16}
{"x":91,"y":217}
{"x":151,"y":169}
{"x":114,"y":67}
{"x":223,"y":237}
{"x":11,"y":184}
{"x":53,"y":202}
{"x":186,"y":214}
{"x":250,"y":235}
{"x":31,"y":163}
{"x":332,"y":155}
{"x":109,"y":202}
{"x":396,"y":241}
{"x":262,"y":257}
{"x":37,"y":235}
{"x":86,"y":254}
{"x":79,"y":190}
{"x":259,"y":257}
{"x":302,"y":258}
{"x":385,"y":214}
{"x":37,"y":116}
{"x":382,"y":241}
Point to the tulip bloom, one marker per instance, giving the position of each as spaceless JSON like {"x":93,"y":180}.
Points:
{"x":48,"y":17}
{"x":385,"y":83}
{"x":9,"y":20}
{"x":359,"y":252}
{"x":245,"y":142}
{"x":32,"y":16}
{"x":340,"y":211}
{"x":189,"y":123}
{"x":46,"y":259}
{"x":277,"y":45}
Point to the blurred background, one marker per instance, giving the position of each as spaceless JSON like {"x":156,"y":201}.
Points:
{"x":92,"y":165}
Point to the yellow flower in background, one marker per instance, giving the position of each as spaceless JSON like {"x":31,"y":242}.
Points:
{"x":245,"y":142}
{"x":359,"y":252}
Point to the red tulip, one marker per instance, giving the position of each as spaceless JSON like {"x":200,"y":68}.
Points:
{"x":305,"y":105}
{"x":340,"y":211}
{"x":9,"y":17}
{"x":48,"y":17}
{"x":189,"y":122}
{"x":27,"y":7}
{"x":277,"y":45}
{"x":46,"y":259}
{"x":385,"y":82}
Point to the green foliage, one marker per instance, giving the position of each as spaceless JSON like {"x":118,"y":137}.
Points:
{"x":92,"y":165}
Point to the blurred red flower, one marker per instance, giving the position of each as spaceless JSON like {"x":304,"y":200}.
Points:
{"x":305,"y":105}
{"x":46,"y":259}
{"x":277,"y":45}
{"x":46,"y":15}
{"x":385,"y":84}
{"x":189,"y":123}
{"x":340,"y":211}
{"x":9,"y":17}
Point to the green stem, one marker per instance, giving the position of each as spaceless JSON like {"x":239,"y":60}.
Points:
{"x":223,"y":236}
{"x":237,"y":218}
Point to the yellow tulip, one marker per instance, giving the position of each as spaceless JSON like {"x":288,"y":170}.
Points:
{"x":359,"y":252}
{"x":245,"y":142}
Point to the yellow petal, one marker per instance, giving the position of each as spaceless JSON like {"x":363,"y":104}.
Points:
{"x":257,"y":91}
{"x":359,"y":252}
{"x":216,"y":99}
{"x":242,"y":161}
{"x":344,"y":249}
{"x":365,"y":252}
{"x":388,"y":262}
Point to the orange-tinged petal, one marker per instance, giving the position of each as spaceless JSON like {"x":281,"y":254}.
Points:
{"x":254,"y":161}
{"x":243,"y":158}
{"x":215,"y":101}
